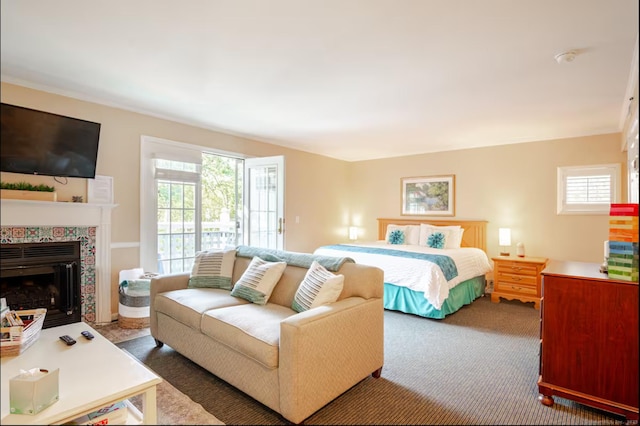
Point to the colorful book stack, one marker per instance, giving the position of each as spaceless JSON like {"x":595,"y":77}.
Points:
{"x":623,"y":242}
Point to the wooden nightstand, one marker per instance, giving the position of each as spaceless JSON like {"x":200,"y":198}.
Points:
{"x":517,"y":278}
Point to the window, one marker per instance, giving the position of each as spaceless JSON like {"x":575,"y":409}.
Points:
{"x":588,"y":189}
{"x":177,"y":196}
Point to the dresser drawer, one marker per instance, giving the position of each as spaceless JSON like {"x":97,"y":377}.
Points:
{"x":507,"y":287}
{"x":519,"y":268}
{"x":516,"y":279}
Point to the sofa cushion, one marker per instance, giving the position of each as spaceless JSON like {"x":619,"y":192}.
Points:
{"x":258,"y":280}
{"x":318,"y":287}
{"x":188,"y":305}
{"x":253,"y":330}
{"x":213,"y":269}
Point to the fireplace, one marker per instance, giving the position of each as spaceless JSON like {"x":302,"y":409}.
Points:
{"x":43,"y":275}
{"x":26,"y":222}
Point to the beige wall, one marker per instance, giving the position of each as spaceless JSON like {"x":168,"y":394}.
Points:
{"x":509,"y":186}
{"x":315,"y":186}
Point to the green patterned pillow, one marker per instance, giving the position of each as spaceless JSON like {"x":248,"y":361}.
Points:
{"x":396,"y":237}
{"x":213,"y":269}
{"x":318,"y":287}
{"x":258,"y":281}
{"x":436,"y":240}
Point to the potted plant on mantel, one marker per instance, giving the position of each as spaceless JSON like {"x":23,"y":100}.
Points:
{"x":27,"y":191}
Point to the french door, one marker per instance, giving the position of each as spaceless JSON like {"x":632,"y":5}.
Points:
{"x":264,"y":202}
{"x":204,"y":200}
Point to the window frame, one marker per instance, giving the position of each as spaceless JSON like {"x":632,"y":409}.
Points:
{"x":613,"y":170}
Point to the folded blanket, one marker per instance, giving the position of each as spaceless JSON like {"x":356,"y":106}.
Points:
{"x":139,"y":287}
{"x":303,"y":260}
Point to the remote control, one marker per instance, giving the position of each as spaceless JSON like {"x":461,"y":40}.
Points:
{"x":87,"y":335}
{"x":68,"y":340}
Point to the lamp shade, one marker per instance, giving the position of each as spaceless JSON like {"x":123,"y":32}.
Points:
{"x":504,"y":236}
{"x":353,"y":233}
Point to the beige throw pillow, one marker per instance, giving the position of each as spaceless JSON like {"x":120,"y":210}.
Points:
{"x":318,"y":287}
{"x":258,"y":281}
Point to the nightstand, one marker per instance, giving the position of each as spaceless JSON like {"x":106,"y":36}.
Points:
{"x":517,"y":278}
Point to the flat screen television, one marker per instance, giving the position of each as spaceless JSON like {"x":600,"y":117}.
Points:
{"x":41,"y":143}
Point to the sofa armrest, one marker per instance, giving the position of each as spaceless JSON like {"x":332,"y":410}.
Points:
{"x":162,"y":284}
{"x":326,"y":350}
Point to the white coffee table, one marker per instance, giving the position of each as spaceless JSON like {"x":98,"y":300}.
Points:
{"x":93,"y":374}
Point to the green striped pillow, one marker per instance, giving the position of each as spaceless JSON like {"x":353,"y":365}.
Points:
{"x":258,"y":281}
{"x":318,"y":287}
{"x":213,"y":269}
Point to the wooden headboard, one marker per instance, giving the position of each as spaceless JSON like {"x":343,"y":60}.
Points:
{"x":475,"y":231}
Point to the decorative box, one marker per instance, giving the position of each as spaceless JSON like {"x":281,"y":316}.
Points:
{"x":33,"y":391}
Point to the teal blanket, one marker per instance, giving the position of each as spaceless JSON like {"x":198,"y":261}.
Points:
{"x":303,"y":260}
{"x":445,"y":263}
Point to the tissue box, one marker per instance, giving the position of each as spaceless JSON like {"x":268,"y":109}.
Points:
{"x":33,"y":391}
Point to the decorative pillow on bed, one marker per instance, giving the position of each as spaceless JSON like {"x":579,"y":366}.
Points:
{"x":213,"y":269}
{"x":396,"y":237}
{"x":411,"y":233}
{"x":436,"y":240}
{"x":452,"y":235}
{"x":318,"y":287}
{"x":258,"y":281}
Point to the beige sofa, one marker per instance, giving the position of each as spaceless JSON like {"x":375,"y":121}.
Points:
{"x":294,"y":363}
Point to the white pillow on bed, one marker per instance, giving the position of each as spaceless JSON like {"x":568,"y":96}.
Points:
{"x":411,"y":233}
{"x":452,"y":235}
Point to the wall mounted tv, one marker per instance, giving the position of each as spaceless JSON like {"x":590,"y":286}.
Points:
{"x":41,"y":143}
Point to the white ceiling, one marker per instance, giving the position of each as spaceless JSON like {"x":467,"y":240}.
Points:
{"x":349,"y":79}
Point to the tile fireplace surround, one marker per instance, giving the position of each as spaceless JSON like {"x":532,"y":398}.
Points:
{"x":24,"y":221}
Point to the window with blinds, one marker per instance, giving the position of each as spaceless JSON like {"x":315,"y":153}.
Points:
{"x":178,"y":200}
{"x":588,"y":189}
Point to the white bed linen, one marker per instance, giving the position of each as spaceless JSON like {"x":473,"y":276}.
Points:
{"x":418,"y":274}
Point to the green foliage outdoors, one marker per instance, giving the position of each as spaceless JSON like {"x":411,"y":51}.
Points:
{"x":218,"y":183}
{"x":25,"y":186}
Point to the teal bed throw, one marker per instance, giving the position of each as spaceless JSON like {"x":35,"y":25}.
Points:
{"x":445,"y":263}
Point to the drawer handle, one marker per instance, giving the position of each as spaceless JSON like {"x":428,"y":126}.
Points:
{"x":516,"y":288}
{"x":517,"y":268}
{"x":516,"y":278}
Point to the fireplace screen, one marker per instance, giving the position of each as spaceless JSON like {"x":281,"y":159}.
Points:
{"x":43,"y":275}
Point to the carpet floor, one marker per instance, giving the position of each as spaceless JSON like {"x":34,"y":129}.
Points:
{"x":477,"y":366}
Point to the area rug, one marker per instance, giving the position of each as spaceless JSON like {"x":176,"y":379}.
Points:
{"x":176,"y":408}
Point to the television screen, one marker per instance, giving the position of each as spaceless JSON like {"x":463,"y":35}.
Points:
{"x":42,"y":143}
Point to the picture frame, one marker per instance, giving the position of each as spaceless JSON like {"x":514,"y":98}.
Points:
{"x":428,"y":195}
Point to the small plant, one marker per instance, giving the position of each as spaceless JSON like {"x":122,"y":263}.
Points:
{"x":25,"y":186}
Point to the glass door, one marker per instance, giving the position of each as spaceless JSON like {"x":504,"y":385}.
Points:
{"x":264,"y":202}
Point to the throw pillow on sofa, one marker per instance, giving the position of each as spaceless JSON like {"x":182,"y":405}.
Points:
{"x":213,"y":269}
{"x":318,"y":287}
{"x":258,"y":281}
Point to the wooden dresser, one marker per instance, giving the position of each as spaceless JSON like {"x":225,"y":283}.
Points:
{"x":589,"y":338}
{"x":517,"y":278}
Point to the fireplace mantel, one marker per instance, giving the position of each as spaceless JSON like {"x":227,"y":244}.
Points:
{"x":45,"y":213}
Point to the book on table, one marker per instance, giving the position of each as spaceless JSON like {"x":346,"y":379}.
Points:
{"x":114,"y":414}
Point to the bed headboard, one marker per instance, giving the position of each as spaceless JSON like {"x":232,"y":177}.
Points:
{"x":475,"y":231}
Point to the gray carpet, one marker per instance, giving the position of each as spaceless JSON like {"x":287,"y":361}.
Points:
{"x":477,"y":366}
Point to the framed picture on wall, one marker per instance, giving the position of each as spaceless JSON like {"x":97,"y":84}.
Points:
{"x":428,"y":196}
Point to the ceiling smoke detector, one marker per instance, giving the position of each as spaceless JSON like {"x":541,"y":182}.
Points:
{"x":568,"y":56}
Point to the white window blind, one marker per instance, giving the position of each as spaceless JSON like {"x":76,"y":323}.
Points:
{"x":588,"y":189}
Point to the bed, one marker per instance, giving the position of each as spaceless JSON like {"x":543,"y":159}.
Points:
{"x":431,"y":282}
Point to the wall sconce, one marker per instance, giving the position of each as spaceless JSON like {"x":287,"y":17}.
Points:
{"x":353,"y":233}
{"x":504,"y":239}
